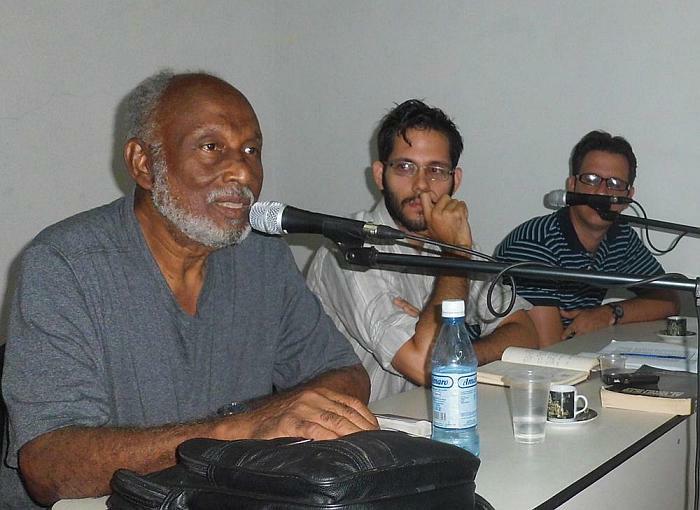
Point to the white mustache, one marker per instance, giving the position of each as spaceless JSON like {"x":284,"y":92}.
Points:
{"x":233,"y":192}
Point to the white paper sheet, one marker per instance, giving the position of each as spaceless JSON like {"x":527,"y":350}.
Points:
{"x":679,"y":358}
{"x":421,"y":428}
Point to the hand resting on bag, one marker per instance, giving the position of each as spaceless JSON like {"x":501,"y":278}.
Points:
{"x":314,"y":413}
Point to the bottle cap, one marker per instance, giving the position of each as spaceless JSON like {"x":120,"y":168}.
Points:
{"x":453,"y":308}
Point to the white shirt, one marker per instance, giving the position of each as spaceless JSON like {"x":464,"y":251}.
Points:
{"x":360,"y":302}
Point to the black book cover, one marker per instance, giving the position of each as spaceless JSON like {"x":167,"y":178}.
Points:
{"x":673,"y":393}
{"x":672,"y":384}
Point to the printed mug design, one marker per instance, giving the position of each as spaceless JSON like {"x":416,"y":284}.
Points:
{"x":562,"y":403}
{"x":676,"y":326}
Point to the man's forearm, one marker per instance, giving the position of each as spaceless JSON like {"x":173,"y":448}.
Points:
{"x":650,"y":306}
{"x":412,"y":359}
{"x":516,"y":330}
{"x":547,"y":321}
{"x":76,"y":462}
{"x":352,"y":381}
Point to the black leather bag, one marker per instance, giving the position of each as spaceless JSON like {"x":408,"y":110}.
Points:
{"x":367,"y":470}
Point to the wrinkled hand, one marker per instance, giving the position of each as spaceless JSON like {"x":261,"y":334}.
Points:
{"x":585,"y":321}
{"x":407,"y":307}
{"x":447,"y":220}
{"x":313,"y":413}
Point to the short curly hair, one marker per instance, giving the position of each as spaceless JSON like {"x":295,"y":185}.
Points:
{"x":603,"y":141}
{"x":415,"y":114}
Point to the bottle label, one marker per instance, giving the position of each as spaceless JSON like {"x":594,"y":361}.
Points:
{"x":454,"y":399}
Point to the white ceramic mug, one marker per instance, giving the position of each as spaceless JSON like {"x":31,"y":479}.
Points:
{"x":563,"y":400}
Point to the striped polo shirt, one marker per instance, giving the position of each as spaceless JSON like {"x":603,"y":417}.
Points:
{"x":552,"y":240}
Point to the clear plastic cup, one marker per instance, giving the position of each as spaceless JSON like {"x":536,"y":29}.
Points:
{"x":611,"y":366}
{"x":529,"y":393}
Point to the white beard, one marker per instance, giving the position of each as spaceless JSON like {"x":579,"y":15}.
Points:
{"x":198,"y":228}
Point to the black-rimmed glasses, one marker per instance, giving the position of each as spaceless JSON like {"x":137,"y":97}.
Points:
{"x":404,"y":168}
{"x":612,"y":183}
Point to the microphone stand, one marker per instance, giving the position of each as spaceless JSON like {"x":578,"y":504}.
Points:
{"x":660,"y":225}
{"x":666,"y":226}
{"x":371,"y":257}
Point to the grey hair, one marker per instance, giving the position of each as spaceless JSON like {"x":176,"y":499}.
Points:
{"x":142,"y":102}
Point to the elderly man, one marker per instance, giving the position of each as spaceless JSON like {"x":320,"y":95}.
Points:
{"x":134,"y":322}
{"x":578,"y":237}
{"x":391,"y":317}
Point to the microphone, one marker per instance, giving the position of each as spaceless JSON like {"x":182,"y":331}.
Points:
{"x":559,"y":198}
{"x":277,"y":218}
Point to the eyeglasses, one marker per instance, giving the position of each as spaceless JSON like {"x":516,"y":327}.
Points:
{"x":612,"y":183}
{"x":404,"y":168}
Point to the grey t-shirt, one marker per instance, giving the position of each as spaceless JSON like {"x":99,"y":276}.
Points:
{"x":96,"y":337}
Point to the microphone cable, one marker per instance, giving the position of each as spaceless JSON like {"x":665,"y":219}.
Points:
{"x":609,"y":215}
{"x":494,"y":281}
{"x":657,"y":251}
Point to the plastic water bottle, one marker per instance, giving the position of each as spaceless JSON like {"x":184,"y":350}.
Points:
{"x":454,"y":381}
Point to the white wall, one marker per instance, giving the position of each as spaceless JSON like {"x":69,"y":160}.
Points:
{"x":523,"y":80}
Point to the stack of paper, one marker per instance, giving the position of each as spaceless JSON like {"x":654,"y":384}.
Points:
{"x":679,"y":358}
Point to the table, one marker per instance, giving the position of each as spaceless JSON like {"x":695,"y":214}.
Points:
{"x":623,"y":459}
{"x":81,"y":504}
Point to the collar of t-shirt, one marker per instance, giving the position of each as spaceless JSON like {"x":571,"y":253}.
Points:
{"x":569,"y":233}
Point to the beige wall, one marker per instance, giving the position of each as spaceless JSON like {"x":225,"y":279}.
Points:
{"x":523,"y":80}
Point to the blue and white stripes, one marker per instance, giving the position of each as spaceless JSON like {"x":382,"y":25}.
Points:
{"x":552,"y":240}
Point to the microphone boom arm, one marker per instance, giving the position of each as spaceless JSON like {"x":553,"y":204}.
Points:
{"x":660,"y":225}
{"x":371,"y":257}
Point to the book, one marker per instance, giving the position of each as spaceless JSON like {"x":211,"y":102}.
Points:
{"x":674,"y":393}
{"x":561,"y":368}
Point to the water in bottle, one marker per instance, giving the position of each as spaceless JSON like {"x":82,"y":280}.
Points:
{"x":454,"y":381}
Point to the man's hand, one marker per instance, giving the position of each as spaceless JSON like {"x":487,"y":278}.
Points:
{"x":407,"y":307}
{"x":447,"y":220}
{"x":78,"y":462}
{"x":314,"y":413}
{"x":585,"y":321}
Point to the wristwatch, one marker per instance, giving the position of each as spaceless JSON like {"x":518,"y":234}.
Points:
{"x":618,"y":312}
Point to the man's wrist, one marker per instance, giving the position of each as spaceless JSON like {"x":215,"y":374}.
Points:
{"x":617,"y":312}
{"x":451,"y":252}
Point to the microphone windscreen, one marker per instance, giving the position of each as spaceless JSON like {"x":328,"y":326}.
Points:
{"x":267,"y":217}
{"x":555,"y":199}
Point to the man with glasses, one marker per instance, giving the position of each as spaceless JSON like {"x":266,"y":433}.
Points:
{"x":392,"y":317}
{"x":580,"y":237}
